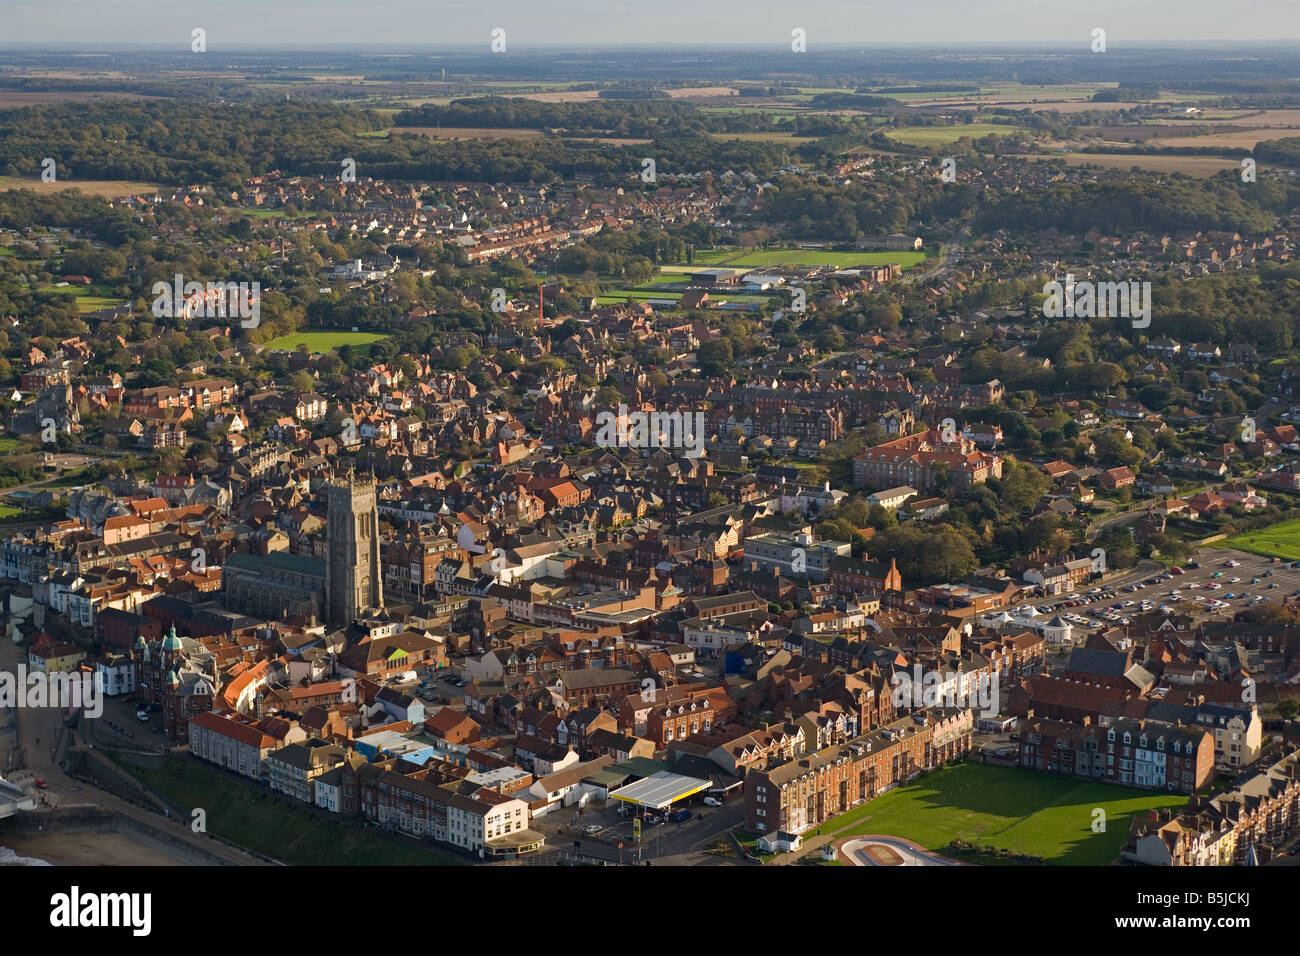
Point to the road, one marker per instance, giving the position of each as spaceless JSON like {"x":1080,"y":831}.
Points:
{"x":1097,"y":527}
{"x":949,"y":254}
{"x":669,"y":844}
{"x":40,"y":728}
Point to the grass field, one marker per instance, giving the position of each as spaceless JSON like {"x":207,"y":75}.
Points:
{"x":772,"y":136}
{"x":724,"y":258}
{"x":324,"y":341}
{"x":254,"y":213}
{"x":1004,"y":807}
{"x":107,"y":188}
{"x":89,"y":298}
{"x":1279,"y":540}
{"x":942,"y":135}
{"x":251,"y":817}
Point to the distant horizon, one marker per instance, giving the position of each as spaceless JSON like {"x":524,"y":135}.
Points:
{"x":665,"y":46}
{"x":568,"y":23}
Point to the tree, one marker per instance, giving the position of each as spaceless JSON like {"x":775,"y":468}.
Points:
{"x":1022,"y":485}
{"x":715,"y":356}
{"x":941,"y":475}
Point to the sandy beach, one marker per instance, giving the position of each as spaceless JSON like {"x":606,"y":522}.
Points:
{"x":86,"y":848}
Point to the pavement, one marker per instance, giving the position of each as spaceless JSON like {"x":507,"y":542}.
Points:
{"x":1190,"y":585}
{"x":40,"y":730}
{"x":888,"y":851}
{"x":668,"y":844}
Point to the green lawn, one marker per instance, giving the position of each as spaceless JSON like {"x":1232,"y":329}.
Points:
{"x":89,"y":298}
{"x":256,"y":212}
{"x":1279,"y":540}
{"x":1025,"y":812}
{"x":250,"y":816}
{"x":324,"y":341}
{"x":942,"y":135}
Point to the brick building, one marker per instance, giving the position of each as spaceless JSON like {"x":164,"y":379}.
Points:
{"x":806,"y":791}
{"x":1136,"y":753}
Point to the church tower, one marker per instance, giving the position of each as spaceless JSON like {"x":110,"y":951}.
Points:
{"x":352,"y":579}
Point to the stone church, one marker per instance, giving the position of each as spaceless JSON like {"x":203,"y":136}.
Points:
{"x":353,"y":583}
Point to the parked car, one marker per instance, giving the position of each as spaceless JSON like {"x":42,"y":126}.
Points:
{"x":712,"y":802}
{"x":681,"y":816}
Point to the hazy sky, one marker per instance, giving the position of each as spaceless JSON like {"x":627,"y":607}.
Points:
{"x":445,"y":22}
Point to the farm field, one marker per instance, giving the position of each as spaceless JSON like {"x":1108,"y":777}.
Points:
{"x":1255,"y":119}
{"x":1203,"y":166}
{"x":324,"y":341}
{"x":771,"y":136}
{"x":107,"y":188}
{"x":1280,"y":540}
{"x":942,"y":135}
{"x":1244,"y":139}
{"x":468,"y":132}
{"x":11,"y":99}
{"x":1011,"y":93}
{"x":1008,"y":808}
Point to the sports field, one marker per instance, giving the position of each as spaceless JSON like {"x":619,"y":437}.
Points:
{"x":1279,"y":540}
{"x":761,"y":258}
{"x":1019,"y":810}
{"x":89,"y":298}
{"x":324,"y":341}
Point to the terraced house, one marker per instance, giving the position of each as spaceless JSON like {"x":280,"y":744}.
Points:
{"x":1137,"y":753}
{"x":808,"y":790}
